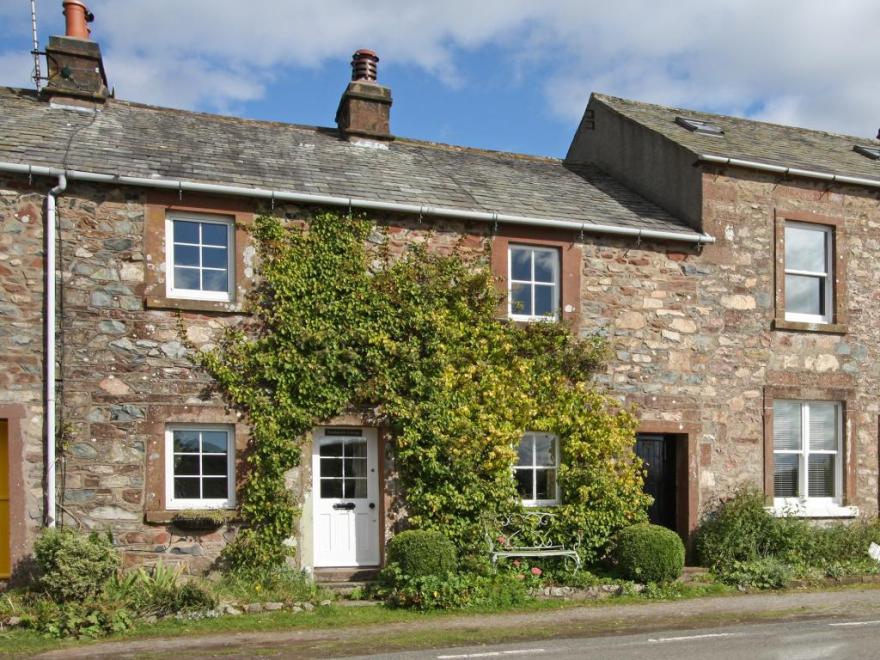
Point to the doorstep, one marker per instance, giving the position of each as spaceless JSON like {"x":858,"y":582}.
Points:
{"x":693,"y":573}
{"x":346,"y":574}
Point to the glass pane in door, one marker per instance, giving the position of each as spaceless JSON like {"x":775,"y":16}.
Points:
{"x":344,"y":469}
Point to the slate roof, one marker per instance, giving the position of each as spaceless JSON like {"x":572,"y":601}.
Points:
{"x":746,"y":139}
{"x":131,"y":139}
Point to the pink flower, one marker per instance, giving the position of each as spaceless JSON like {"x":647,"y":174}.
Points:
{"x":502,"y":540}
{"x":516,"y":562}
{"x":536,"y":571}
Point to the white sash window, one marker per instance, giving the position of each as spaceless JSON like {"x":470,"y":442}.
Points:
{"x":808,"y":457}
{"x":809,"y":283}
{"x":533,"y":283}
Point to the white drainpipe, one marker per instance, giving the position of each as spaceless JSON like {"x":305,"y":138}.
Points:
{"x":50,"y":347}
{"x":354,"y":202}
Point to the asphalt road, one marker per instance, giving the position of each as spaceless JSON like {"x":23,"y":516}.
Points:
{"x":800,"y":640}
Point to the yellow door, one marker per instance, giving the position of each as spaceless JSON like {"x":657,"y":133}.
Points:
{"x":5,"y":567}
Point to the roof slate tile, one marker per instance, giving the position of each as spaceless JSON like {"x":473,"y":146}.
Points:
{"x":136,"y":140}
{"x":747,"y":139}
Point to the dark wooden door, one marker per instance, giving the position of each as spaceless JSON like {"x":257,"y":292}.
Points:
{"x":658,"y":453}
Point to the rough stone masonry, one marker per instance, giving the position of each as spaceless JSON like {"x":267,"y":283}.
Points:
{"x":691,"y":330}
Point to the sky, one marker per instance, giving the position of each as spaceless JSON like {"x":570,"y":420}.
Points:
{"x":513,"y":75}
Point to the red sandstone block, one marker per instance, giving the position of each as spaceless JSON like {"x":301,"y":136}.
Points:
{"x":705,"y":455}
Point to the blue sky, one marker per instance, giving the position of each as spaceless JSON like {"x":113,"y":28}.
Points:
{"x":501,"y":74}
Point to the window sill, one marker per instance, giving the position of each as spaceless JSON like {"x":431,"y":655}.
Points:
{"x":532,"y":319}
{"x":800,"y":326}
{"x":192,"y":305}
{"x":166,"y":516}
{"x":806,"y":509}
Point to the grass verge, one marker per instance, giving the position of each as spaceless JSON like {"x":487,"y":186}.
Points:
{"x":385,"y":629}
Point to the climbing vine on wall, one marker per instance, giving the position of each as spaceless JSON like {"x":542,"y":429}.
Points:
{"x":339,"y":323}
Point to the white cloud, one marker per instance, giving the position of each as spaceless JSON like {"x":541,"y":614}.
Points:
{"x":805,"y":62}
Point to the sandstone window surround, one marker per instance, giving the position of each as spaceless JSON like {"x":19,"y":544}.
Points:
{"x":810,"y":272}
{"x":200,"y":466}
{"x":568,"y":259}
{"x":809,"y":452}
{"x":159,"y":418}
{"x":536,"y":469}
{"x":161,"y":289}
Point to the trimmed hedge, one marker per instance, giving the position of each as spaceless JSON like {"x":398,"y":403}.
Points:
{"x":649,"y":553}
{"x":420,"y":552}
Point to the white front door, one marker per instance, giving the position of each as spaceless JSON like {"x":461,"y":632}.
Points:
{"x":346,"y":497}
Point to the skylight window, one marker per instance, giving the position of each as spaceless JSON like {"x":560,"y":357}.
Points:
{"x":869,"y":150}
{"x":699,"y":126}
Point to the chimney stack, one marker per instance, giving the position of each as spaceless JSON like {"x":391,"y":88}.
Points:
{"x":76,"y":68}
{"x":365,"y":107}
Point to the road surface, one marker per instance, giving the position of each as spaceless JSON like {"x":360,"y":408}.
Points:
{"x":801,"y":640}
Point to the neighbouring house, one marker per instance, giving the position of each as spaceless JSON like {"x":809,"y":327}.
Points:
{"x":727,"y":261}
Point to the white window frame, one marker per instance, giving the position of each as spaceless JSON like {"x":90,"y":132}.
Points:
{"x":824,"y":507}
{"x":555,"y":501}
{"x":173,"y":503}
{"x":828,"y":275}
{"x":557,"y":282}
{"x":172,"y":291}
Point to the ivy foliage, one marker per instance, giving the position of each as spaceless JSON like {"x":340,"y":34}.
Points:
{"x":339,"y":323}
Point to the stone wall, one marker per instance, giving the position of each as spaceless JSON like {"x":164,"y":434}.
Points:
{"x":691,"y":332}
{"x":21,"y":351}
{"x":126,"y":371}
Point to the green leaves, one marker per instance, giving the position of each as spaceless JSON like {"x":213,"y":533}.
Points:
{"x":339,"y":322}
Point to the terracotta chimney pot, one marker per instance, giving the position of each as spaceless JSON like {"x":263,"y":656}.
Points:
{"x":364,"y":65}
{"x":77,"y":17}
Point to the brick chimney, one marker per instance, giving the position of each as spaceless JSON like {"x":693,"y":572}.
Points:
{"x":76,"y":69}
{"x":365,"y":107}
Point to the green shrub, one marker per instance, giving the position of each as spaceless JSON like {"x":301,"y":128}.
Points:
{"x":767,"y":573}
{"x":418,"y":553}
{"x":73,"y":619}
{"x":457,"y":591}
{"x":263,"y":585}
{"x":158,"y":591}
{"x":649,"y":553}
{"x":740,"y":529}
{"x":73,"y":566}
{"x":844,"y":542}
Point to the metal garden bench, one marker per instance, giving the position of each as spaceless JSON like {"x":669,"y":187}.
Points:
{"x":527,"y":534}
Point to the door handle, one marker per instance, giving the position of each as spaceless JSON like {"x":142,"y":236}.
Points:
{"x":348,"y":506}
{"x":372,"y":505}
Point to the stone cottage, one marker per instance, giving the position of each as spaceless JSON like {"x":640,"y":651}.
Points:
{"x":727,"y":261}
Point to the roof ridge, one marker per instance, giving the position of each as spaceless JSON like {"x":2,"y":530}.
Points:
{"x":478,"y":150}
{"x":312,"y":128}
{"x":610,"y":97}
